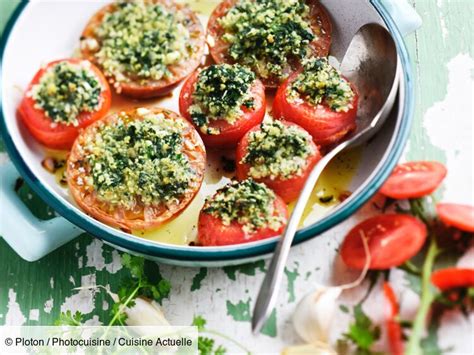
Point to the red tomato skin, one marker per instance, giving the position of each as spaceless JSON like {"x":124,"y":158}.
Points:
{"x":453,"y":277}
{"x":456,"y":215}
{"x":62,"y":136}
{"x":230,"y":133}
{"x":325,"y":126}
{"x":287,"y":189}
{"x":212,"y":232}
{"x":392,"y":240}
{"x":414,"y":179}
{"x":394,"y":330}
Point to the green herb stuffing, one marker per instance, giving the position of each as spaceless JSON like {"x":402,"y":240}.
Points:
{"x":266,"y":34}
{"x":277,"y":150}
{"x":65,"y":90}
{"x":220,"y":92}
{"x":133,"y":161}
{"x":320,"y":82}
{"x":248,"y":203}
{"x":140,"y":40}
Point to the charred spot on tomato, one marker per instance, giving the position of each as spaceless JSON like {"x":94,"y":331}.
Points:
{"x":139,"y":40}
{"x":248,"y":203}
{"x":319,"y":83}
{"x":65,"y":90}
{"x":277,"y":150}
{"x":138,"y":161}
{"x":265,"y":35}
{"x":219,"y":93}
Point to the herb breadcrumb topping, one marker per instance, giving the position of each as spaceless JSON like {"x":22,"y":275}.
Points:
{"x":65,"y":90}
{"x":265,"y":34}
{"x":320,"y":82}
{"x":219,"y":93}
{"x":140,"y":40}
{"x":248,"y":203}
{"x":277,"y":150}
{"x":138,"y":161}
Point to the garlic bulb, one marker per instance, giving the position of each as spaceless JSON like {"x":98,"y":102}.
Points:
{"x":314,"y":313}
{"x":313,"y":316}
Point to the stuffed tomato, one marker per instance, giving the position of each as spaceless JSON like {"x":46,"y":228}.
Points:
{"x":278,"y":153}
{"x":319,"y":99}
{"x":241,"y":212}
{"x":144,"y":47}
{"x":137,"y":169}
{"x":63,"y":97}
{"x":223,"y":102}
{"x":271,"y":36}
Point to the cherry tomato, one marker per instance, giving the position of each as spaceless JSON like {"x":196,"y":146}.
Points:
{"x":325,"y":125}
{"x":142,"y":89}
{"x":320,"y":24}
{"x":288,"y":189}
{"x":213,"y":232}
{"x":456,"y":215}
{"x":142,"y":217}
{"x":394,"y":330}
{"x":414,"y":179}
{"x":230,"y":134}
{"x":452,"y":277}
{"x":392,"y":240}
{"x":60,"y":135}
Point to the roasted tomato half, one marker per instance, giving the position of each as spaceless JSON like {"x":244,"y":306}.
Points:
{"x":145,"y":48}
{"x":138,"y":169}
{"x":241,"y":212}
{"x":273,"y":49}
{"x":64,"y":96}
{"x":319,"y":99}
{"x":278,"y":153}
{"x":223,"y":102}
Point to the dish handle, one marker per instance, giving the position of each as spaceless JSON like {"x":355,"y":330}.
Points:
{"x":403,"y":14}
{"x":30,"y":237}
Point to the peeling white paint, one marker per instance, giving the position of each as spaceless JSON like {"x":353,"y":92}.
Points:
{"x":94,"y":321}
{"x":449,"y":124}
{"x":51,"y":282}
{"x":453,"y":324}
{"x":14,"y":315}
{"x":34,"y":314}
{"x":48,"y":305}
{"x":82,"y":301}
{"x":105,"y":305}
{"x":80,"y":262}
{"x":467,"y":260}
{"x":95,"y":258}
{"x":71,"y":280}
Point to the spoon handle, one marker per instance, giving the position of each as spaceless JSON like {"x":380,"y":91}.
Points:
{"x":268,"y":293}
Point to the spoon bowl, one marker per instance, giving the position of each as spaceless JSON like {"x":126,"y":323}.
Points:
{"x":371,"y":63}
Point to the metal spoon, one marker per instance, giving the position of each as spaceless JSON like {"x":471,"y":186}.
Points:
{"x":371,"y":64}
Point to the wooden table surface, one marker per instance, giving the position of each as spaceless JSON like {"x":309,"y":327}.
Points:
{"x":442,"y":56}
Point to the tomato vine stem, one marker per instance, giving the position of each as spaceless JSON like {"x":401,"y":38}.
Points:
{"x":427,"y":297}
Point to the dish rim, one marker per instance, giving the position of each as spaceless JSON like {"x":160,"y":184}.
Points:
{"x":233,"y":252}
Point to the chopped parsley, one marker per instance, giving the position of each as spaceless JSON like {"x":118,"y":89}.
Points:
{"x":140,"y":39}
{"x":219,"y":93}
{"x":138,"y":161}
{"x":266,"y":34}
{"x":248,"y":203}
{"x":65,"y":90}
{"x":277,"y":150}
{"x":320,"y":82}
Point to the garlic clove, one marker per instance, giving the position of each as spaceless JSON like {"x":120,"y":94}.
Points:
{"x":145,"y":312}
{"x":318,"y":348}
{"x":313,"y":316}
